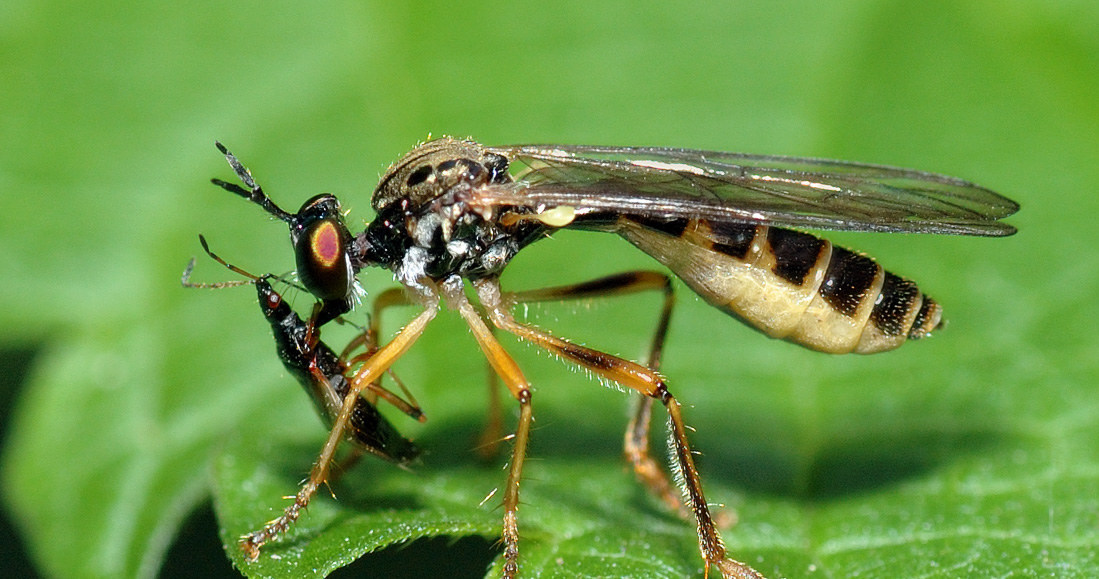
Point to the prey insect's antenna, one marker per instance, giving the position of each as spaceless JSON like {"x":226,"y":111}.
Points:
{"x":254,"y":192}
{"x":185,"y":281}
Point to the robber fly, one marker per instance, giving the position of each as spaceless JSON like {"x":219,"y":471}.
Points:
{"x":452,"y":212}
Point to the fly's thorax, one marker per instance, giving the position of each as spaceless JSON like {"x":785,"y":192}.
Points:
{"x":430,"y":223}
{"x":451,"y":239}
{"x":436,"y":167}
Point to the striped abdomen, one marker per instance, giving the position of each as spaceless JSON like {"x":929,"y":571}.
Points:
{"x":788,"y":284}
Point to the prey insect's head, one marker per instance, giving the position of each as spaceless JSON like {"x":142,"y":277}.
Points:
{"x":322,"y":242}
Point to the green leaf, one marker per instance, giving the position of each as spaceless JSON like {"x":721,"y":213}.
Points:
{"x":970,"y":454}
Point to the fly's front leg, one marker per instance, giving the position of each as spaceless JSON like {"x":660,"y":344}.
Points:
{"x":636,"y":440}
{"x":509,"y":372}
{"x":368,"y":341}
{"x":370,"y":371}
{"x":649,"y":383}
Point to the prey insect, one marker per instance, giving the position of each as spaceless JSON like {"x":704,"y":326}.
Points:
{"x":324,"y":376}
{"x":453,"y":212}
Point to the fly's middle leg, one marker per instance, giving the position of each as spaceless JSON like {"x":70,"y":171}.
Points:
{"x":508,"y":371}
{"x":636,"y":440}
{"x":650,"y":383}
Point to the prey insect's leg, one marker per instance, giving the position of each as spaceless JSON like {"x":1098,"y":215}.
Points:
{"x":636,"y":439}
{"x":648,"y":382}
{"x":370,"y":371}
{"x":517,"y":384}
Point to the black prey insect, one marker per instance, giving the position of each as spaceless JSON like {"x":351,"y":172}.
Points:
{"x":324,"y":376}
{"x":453,"y":212}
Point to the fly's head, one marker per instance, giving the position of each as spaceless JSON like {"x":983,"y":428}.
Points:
{"x":322,"y":250}
{"x":322,"y":243}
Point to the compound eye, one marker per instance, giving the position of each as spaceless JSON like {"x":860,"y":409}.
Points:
{"x":270,"y":298}
{"x":323,"y":259}
{"x":321,"y":249}
{"x":326,"y":248}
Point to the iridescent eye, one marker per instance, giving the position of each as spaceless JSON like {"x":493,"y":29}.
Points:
{"x":321,"y":241}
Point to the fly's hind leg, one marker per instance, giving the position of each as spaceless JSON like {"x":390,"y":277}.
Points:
{"x":636,"y":440}
{"x":488,"y":443}
{"x":650,"y":383}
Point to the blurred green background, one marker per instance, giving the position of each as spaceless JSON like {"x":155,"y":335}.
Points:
{"x":129,"y":402}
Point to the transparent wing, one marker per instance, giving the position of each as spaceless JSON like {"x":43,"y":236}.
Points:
{"x":770,"y":190}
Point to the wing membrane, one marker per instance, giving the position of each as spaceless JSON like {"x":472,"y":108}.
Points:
{"x":758,"y":189}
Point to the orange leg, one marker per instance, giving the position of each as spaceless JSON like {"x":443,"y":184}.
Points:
{"x":371,"y":370}
{"x":645,"y":381}
{"x":508,"y":371}
{"x":368,"y":341}
{"x":636,"y":444}
{"x":488,"y":442}
{"x":636,"y":440}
